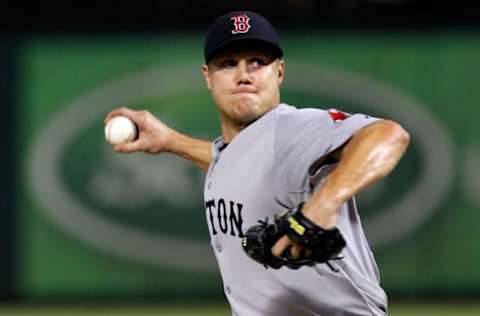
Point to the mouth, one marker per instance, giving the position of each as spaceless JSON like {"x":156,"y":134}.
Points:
{"x":250,"y":90}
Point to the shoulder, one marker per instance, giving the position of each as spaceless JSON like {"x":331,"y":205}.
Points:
{"x":286,"y":110}
{"x":287,"y":114}
{"x":326,"y":117}
{"x":289,"y":117}
{"x":295,"y":127}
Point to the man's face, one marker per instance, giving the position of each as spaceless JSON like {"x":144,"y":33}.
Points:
{"x":244,"y":83}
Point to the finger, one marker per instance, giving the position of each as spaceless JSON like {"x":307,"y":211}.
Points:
{"x":124,"y":111}
{"x":129,"y":147}
{"x":281,"y":245}
{"x":296,"y":251}
{"x":308,"y":253}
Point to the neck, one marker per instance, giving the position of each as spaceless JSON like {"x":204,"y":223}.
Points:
{"x":230,"y":129}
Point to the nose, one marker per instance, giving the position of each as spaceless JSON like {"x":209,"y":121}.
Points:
{"x":243,"y":75}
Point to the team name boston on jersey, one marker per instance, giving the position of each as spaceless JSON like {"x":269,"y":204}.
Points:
{"x":276,"y":163}
{"x":225,"y":219}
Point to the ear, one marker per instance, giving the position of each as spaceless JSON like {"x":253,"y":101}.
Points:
{"x":205,"y":73}
{"x":281,"y":71}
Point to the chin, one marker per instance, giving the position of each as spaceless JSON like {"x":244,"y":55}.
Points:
{"x":247,"y":112}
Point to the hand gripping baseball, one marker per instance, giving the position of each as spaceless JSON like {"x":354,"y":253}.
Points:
{"x":324,"y":245}
{"x":153,"y":135}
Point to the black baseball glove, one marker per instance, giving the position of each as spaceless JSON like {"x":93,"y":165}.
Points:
{"x":324,"y":245}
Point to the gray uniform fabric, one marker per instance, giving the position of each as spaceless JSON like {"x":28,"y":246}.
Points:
{"x":273,"y":164}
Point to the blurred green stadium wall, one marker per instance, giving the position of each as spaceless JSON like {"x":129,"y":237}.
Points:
{"x":94,"y":224}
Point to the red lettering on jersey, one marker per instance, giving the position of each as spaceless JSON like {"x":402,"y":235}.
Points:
{"x":337,"y":116}
{"x":241,"y":24}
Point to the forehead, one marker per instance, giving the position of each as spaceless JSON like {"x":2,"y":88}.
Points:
{"x":239,"y":50}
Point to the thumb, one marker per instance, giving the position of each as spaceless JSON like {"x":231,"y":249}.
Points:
{"x":128,"y":147}
{"x":281,"y":245}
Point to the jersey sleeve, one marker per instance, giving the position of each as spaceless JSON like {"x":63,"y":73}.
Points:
{"x":303,"y":140}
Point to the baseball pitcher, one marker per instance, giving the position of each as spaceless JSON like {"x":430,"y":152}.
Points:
{"x":280,"y":182}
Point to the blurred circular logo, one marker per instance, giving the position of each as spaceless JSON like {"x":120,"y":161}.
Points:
{"x":149,"y":209}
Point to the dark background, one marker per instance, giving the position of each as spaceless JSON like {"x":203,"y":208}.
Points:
{"x":22,"y":17}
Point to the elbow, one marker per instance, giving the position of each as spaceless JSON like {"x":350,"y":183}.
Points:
{"x":396,"y":133}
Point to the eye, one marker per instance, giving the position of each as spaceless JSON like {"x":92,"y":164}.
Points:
{"x":257,"y":62}
{"x":228,"y":63}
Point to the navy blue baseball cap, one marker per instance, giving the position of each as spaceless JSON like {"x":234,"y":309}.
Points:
{"x":239,"y":27}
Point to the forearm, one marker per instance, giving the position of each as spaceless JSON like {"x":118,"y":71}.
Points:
{"x":370,"y":155}
{"x":195,"y":150}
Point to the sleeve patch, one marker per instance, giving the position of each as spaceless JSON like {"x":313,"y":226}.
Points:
{"x":337,"y":116}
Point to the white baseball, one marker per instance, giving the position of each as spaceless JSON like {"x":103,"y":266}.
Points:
{"x":120,"y":129}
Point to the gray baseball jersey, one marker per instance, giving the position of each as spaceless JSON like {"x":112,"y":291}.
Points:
{"x":276,"y":163}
